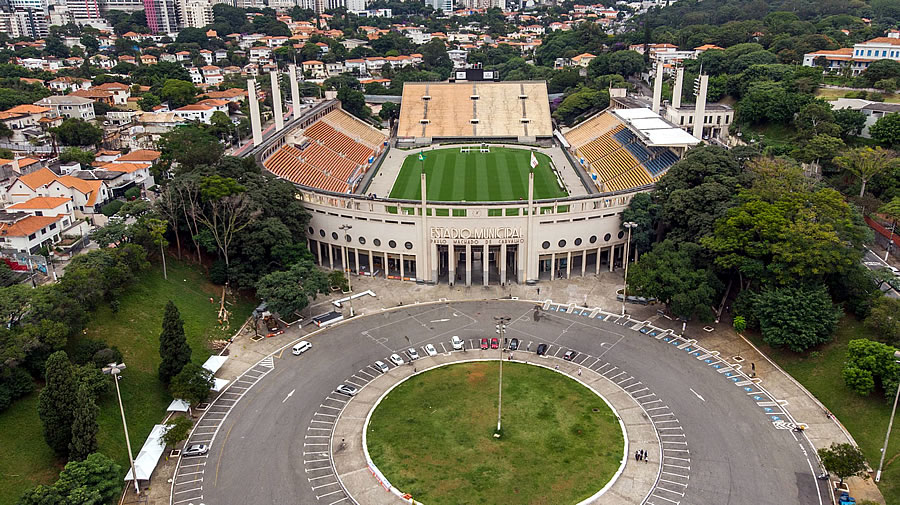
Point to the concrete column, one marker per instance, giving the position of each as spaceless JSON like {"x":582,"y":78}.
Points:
{"x":387,"y":271}
{"x":345,"y":256}
{"x":597,"y":266}
{"x":276,"y":101}
{"x":371,"y":264}
{"x":485,"y":264}
{"x":552,"y":266}
{"x":451,"y":263}
{"x":679,"y":87}
{"x":468,"y":265}
{"x":521,"y":264}
{"x":425,"y":262}
{"x":502,"y":264}
{"x":657,"y":87}
{"x":434,"y":261}
{"x":295,"y":91}
{"x":583,"y":261}
{"x":531,"y":269}
{"x":402,"y":270}
{"x":356,"y":260}
{"x":612,"y":254}
{"x":331,"y":255}
{"x":255,"y":121}
{"x":700,"y":109}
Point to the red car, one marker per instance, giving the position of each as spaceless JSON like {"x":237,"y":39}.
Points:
{"x":484,"y":344}
{"x":495,"y":343}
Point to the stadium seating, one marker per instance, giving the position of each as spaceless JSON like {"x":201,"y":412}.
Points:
{"x":631,"y":142}
{"x":600,"y":147}
{"x":325,"y":134}
{"x":662,"y":159}
{"x":450,"y":111}
{"x":355,"y":129}
{"x":286,"y":163}
{"x":591,"y":129}
{"x":632,"y":178}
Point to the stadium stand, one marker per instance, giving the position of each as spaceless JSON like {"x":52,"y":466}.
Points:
{"x":326,"y":135}
{"x":662,"y":159}
{"x":589,"y":130}
{"x":287,"y":164}
{"x":446,"y":110}
{"x":355,"y":129}
{"x":632,"y":178}
{"x":600,"y":147}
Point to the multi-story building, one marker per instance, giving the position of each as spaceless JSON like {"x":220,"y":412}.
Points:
{"x":161,"y":16}
{"x":24,"y":22}
{"x":69,"y":106}
{"x":121,"y":5}
{"x":83,"y":10}
{"x":196,"y":13}
{"x":860,"y":56}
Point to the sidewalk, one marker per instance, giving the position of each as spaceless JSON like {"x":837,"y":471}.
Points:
{"x":591,"y":291}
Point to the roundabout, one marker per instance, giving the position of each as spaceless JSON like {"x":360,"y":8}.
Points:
{"x":280,"y":434}
{"x":560,"y":441}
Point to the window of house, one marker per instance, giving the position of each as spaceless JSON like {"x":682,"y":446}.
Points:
{"x":32,"y":236}
{"x":52,"y":226}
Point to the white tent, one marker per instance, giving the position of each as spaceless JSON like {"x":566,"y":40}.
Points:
{"x":148,"y":457}
{"x":214,"y":363}
{"x":220,"y":384}
{"x":178,"y":406}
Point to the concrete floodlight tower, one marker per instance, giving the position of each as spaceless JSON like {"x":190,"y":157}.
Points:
{"x":679,"y":86}
{"x":657,"y":87}
{"x":295,"y":91}
{"x":255,"y":121}
{"x":700,"y":110}
{"x":276,"y":100}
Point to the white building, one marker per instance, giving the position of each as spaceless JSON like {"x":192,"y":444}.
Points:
{"x":69,"y":106}
{"x":195,"y":13}
{"x":860,"y":56}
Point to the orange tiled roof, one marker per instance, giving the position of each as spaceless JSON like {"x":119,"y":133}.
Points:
{"x":37,"y":178}
{"x":28,"y":109}
{"x":125,"y":167}
{"x":140,"y":155}
{"x":42,"y":202}
{"x":27,"y":226}
{"x":89,"y":189}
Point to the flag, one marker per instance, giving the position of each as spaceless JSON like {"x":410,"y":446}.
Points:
{"x":421,"y":157}
{"x":534,"y":161}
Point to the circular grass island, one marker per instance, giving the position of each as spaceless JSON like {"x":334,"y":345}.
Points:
{"x":432,"y":436}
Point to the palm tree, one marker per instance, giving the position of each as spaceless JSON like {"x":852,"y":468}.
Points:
{"x":865,"y":163}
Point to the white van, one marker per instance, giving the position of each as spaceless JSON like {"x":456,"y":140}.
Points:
{"x":301,"y":347}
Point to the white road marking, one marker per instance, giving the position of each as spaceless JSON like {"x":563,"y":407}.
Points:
{"x":288,"y":396}
{"x":697,"y":394}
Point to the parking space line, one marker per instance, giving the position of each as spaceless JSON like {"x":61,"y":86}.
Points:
{"x":327,"y":494}
{"x":189,"y":490}
{"x":319,"y":477}
{"x":338,"y":501}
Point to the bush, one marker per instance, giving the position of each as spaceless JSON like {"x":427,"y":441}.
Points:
{"x":876,"y":96}
{"x":106,"y":356}
{"x":112,"y":207}
{"x":133,"y":193}
{"x":739,"y":324}
{"x":84,"y":350}
{"x":870,"y":365}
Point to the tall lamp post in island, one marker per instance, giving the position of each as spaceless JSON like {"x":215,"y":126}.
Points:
{"x":890,"y":425}
{"x":630,"y":225}
{"x":502,"y":321}
{"x":114,"y":370}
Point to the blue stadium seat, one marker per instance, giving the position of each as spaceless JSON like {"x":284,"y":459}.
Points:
{"x":663,"y":160}
{"x":634,"y":146}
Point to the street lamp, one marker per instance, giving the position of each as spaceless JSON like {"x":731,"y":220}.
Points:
{"x":502,"y":321}
{"x":890,"y":425}
{"x":114,"y":370}
{"x":346,"y":261}
{"x":629,"y":225}
{"x":890,"y":242}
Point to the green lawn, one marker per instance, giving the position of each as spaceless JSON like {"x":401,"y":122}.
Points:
{"x":432,"y":437}
{"x":452,"y":176}
{"x":865,"y":417}
{"x":25,"y":459}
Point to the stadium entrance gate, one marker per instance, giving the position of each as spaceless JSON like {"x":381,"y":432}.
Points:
{"x":485,"y":264}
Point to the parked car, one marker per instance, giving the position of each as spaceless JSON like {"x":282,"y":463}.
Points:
{"x":347,"y":390}
{"x":396,"y":359}
{"x":514,"y":344}
{"x":195,"y":450}
{"x":413,"y":355}
{"x":457,"y":343}
{"x":484,"y":344}
{"x":495,"y":343}
{"x":301,"y":347}
{"x":570,"y":355}
{"x":381,"y":366}
{"x":541,"y":349}
{"x":431,"y":350}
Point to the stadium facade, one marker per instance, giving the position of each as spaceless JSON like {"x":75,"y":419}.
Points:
{"x":332,"y":157}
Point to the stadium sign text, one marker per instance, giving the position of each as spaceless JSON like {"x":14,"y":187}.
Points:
{"x":484,"y":236}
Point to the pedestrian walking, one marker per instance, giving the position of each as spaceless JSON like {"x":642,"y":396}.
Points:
{"x":579,"y":372}
{"x":557,"y":367}
{"x":637,"y":455}
{"x":644,"y":456}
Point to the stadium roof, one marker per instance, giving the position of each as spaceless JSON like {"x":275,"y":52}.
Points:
{"x":653,"y":129}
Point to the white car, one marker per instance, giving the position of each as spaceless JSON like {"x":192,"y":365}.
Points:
{"x":381,"y":366}
{"x":413,"y":355}
{"x":457,"y":343}
{"x":431,"y":350}
{"x":347,"y":390}
{"x":195,"y":450}
{"x":396,"y":359}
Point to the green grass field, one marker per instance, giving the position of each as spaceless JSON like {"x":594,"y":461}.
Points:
{"x":866,"y":418}
{"x":432,"y":437}
{"x":452,"y":176}
{"x":26,"y":460}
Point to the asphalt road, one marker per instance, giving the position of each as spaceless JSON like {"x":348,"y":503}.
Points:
{"x":732,"y":451}
{"x":873,"y":261}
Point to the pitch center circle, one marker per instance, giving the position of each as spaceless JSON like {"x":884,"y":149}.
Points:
{"x":432,"y":436}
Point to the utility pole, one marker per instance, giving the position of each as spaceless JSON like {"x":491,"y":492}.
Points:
{"x":628,"y":225}
{"x":887,"y":437}
{"x":114,"y":370}
{"x":502,"y":321}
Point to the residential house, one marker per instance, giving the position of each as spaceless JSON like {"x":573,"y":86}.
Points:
{"x":120,"y":92}
{"x":63,"y":85}
{"x":69,"y":106}
{"x":333,"y":69}
{"x":315,"y":68}
{"x":212,"y":75}
{"x":182,"y":56}
{"x":87,"y":196}
{"x":149,"y":59}
{"x":24,"y":121}
{"x":355,"y":66}
{"x":30,"y":185}
{"x":95,"y":94}
{"x":27,"y":233}
{"x":102,"y":61}
{"x":207,"y":55}
{"x":260,"y":54}
{"x":234,"y":95}
{"x":137,"y":173}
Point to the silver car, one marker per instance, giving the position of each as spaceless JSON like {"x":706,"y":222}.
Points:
{"x":413,"y":355}
{"x":381,"y":366}
{"x":396,"y":359}
{"x":431,"y":350}
{"x":195,"y":450}
{"x":347,"y":390}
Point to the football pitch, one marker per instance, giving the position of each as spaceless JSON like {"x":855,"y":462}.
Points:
{"x":453,"y":176}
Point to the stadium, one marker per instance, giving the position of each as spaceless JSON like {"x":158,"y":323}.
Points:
{"x":474,"y":185}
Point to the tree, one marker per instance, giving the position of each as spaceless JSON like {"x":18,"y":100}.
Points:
{"x":851,"y":122}
{"x":177,"y":430}
{"x":887,"y":130}
{"x":228,"y":210}
{"x":148,"y":101}
{"x":625,"y":63}
{"x":354,"y":102}
{"x":820,"y":147}
{"x":178,"y":93}
{"x":57,"y":401}
{"x":289,"y":291}
{"x":865,"y":163}
{"x":644,"y":211}
{"x":816,"y":118}
{"x":173,"y":347}
{"x":189,"y":35}
{"x":677,"y":275}
{"x":884,"y":319}
{"x":767,"y":101}
{"x":582,"y":100}
{"x":84,"y":425}
{"x":435,"y":58}
{"x":97,"y":475}
{"x":843,"y":460}
{"x":77,"y":132}
{"x":191,"y":147}
{"x":157,"y":229}
{"x":389,"y":111}
{"x":74,"y":154}
{"x":796,"y":317}
{"x":192,"y":384}
{"x":881,"y":69}
{"x":868,"y":364}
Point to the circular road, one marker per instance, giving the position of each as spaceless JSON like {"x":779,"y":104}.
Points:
{"x":724,"y":440}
